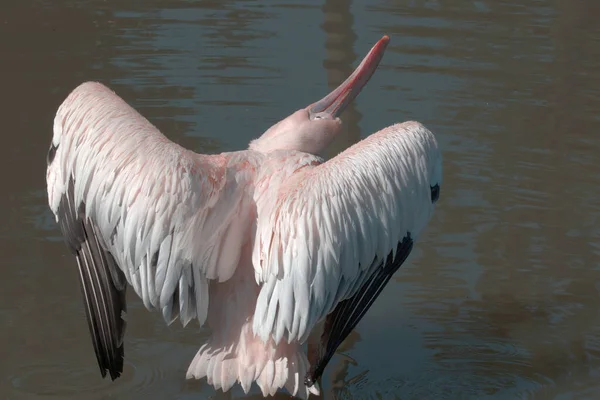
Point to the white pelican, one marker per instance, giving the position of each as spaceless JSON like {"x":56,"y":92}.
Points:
{"x":260,"y":244}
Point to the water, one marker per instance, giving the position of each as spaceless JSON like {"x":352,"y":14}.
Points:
{"x":500,"y":299}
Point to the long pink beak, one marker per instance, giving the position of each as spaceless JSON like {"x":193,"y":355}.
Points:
{"x":335,"y":102}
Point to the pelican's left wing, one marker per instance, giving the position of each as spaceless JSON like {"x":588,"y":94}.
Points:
{"x":335,"y":234}
{"x":135,"y":207}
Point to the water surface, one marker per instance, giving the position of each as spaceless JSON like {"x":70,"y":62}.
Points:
{"x":500,"y":298}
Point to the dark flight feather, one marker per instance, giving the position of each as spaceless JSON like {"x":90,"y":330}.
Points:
{"x":103,"y":285}
{"x":348,"y":313}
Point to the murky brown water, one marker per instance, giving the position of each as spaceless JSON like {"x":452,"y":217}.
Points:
{"x":501,"y":299}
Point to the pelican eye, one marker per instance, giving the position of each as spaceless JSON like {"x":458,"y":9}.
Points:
{"x":435,"y":193}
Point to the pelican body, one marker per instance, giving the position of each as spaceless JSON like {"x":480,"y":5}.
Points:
{"x":261,"y":245}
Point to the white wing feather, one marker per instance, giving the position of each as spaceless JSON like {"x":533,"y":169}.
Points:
{"x":317,"y":239}
{"x":171,"y":218}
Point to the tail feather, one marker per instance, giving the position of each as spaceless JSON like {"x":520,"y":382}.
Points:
{"x":271,"y":366}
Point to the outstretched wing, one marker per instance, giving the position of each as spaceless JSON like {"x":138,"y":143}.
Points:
{"x":332,"y":238}
{"x":135,"y":207}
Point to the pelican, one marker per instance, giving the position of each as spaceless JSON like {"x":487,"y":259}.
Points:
{"x":263,"y":245}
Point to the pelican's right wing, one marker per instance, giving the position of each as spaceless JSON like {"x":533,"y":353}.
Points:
{"x":329,"y":241}
{"x":135,"y":207}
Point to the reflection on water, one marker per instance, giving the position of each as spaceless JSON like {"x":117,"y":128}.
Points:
{"x":500,"y":299}
{"x":339,"y":63}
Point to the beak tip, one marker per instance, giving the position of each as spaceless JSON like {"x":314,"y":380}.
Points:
{"x":384,"y":41}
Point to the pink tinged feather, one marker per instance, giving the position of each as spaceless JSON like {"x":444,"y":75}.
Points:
{"x":229,"y":371}
{"x":246,"y":376}
{"x":217,"y":368}
{"x":281,"y":372}
{"x":265,"y":380}
{"x":212,"y":360}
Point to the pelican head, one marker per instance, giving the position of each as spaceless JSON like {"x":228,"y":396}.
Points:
{"x":313,"y":128}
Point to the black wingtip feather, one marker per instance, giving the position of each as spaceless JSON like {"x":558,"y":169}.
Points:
{"x":51,"y":154}
{"x":104,"y":304}
{"x":348,"y":313}
{"x":103,"y":286}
